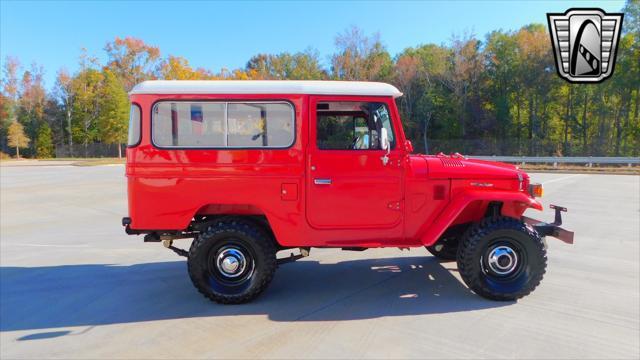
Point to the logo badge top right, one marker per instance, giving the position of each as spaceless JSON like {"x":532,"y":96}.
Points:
{"x":585,"y":42}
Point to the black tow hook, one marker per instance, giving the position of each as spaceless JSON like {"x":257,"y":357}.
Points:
{"x":558,"y":218}
{"x":552,"y":229}
{"x":549,"y":229}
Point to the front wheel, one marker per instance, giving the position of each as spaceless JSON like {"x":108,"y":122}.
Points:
{"x":232,"y":261}
{"x":502,"y":259}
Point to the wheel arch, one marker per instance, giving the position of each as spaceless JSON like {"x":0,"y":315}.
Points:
{"x":473,"y":206}
{"x":246,"y":212}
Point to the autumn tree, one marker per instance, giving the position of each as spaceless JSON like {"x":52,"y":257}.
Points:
{"x":360,"y":57}
{"x":405,"y":77}
{"x":63,"y":92}
{"x":306,"y":66}
{"x":178,"y":68}
{"x":9,"y":97}
{"x":85,"y":109}
{"x":10,"y":83}
{"x":131,"y":60}
{"x":286,"y":66}
{"x":4,"y":109}
{"x":17,"y":138}
{"x":258,"y":67}
{"x":32,"y":101}
{"x":462,"y":76}
{"x":420,"y":73}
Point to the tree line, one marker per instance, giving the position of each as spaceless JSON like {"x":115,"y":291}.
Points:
{"x":496,"y":95}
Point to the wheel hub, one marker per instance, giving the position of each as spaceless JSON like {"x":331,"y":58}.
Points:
{"x":231,"y":262}
{"x":502,"y":260}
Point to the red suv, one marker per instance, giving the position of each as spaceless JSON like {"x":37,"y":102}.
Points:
{"x":248,"y":168}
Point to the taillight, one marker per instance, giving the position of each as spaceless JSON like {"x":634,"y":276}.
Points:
{"x":536,"y":190}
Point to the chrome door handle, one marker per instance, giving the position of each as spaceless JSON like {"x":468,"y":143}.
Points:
{"x":322,"y":181}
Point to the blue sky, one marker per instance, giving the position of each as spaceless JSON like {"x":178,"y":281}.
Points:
{"x":226,"y":34}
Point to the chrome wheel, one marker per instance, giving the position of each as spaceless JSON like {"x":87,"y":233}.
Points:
{"x":231,"y":267}
{"x":502,"y":260}
{"x":231,"y":262}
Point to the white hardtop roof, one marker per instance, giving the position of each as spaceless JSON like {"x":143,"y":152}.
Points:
{"x":265,"y":87}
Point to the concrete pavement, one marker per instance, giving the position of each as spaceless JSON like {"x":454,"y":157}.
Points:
{"x":73,"y":285}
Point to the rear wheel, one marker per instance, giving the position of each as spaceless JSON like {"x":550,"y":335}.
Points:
{"x":502,"y":259}
{"x":232,"y":261}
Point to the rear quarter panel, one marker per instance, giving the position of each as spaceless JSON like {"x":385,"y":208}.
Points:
{"x":167,"y":187}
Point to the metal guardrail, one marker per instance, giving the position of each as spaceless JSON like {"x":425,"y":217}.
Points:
{"x":588,"y":160}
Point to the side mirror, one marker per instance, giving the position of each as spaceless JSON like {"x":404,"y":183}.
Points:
{"x":408,"y":146}
{"x":384,"y":139}
{"x":385,"y":145}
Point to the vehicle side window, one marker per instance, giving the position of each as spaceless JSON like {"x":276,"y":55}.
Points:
{"x":134,"y":125}
{"x":223,"y":124}
{"x":352,"y":125}
{"x":257,"y":125}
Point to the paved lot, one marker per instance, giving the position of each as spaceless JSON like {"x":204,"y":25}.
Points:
{"x":74,"y":286}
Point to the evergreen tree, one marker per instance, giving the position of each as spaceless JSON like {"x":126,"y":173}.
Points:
{"x":85,"y":108}
{"x":113,"y":119}
{"x":44,"y":142}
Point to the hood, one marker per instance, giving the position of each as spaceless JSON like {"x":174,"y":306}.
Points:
{"x":458,"y":167}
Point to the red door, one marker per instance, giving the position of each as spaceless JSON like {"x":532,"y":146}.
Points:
{"x":349,"y":184}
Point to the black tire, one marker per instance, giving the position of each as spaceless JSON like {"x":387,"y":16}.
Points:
{"x":227,"y":244}
{"x":487,"y":263}
{"x":446,"y":248}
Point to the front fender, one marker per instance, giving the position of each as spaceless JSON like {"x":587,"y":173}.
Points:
{"x":514,"y":205}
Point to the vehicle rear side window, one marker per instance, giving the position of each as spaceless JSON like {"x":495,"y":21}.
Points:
{"x":134,"y":126}
{"x":223,"y":124}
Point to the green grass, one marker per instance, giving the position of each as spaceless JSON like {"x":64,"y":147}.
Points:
{"x":99,"y":161}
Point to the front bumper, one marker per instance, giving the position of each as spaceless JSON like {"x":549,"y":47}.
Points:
{"x":552,"y":229}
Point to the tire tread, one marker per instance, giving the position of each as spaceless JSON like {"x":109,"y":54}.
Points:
{"x":262,"y":244}
{"x":473,"y":239}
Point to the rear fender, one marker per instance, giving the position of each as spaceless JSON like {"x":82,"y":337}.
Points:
{"x":513,"y":205}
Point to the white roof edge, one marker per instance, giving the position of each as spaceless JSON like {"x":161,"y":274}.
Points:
{"x":311,"y":87}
